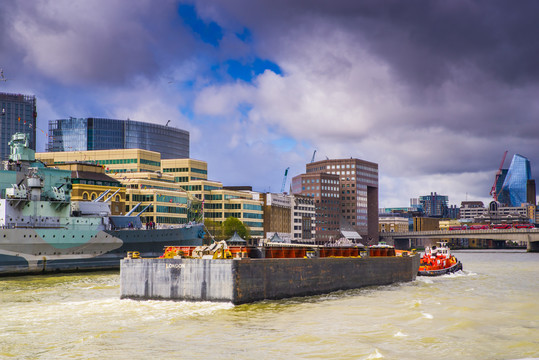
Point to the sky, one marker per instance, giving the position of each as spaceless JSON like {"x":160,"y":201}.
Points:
{"x":434,"y":92}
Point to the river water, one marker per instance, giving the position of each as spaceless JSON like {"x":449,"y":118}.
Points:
{"x":488,"y":311}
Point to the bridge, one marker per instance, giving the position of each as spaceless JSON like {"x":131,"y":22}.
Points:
{"x":530,"y":236}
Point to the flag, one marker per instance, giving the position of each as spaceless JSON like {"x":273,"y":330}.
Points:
{"x":19,"y":119}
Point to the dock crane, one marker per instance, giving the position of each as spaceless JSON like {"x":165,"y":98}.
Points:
{"x":284,"y":179}
{"x":498,"y":174}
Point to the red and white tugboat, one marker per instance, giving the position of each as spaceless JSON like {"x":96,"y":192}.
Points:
{"x":438,"y":261}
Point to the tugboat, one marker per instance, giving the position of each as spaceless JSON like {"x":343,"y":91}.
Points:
{"x":438,"y":261}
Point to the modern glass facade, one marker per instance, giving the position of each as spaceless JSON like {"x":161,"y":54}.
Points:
{"x":81,"y":134}
{"x":17,"y":114}
{"x":513,"y":192}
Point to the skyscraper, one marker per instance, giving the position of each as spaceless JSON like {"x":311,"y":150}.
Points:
{"x":81,"y":134}
{"x":17,"y":114}
{"x":514,"y":189}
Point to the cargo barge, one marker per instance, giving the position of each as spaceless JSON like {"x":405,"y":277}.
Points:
{"x":270,"y":272}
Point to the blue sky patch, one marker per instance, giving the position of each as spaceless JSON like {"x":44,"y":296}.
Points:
{"x":285,"y":144}
{"x":210,"y":33}
{"x":247,"y":71}
{"x":246,"y":36}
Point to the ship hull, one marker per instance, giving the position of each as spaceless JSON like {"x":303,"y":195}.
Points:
{"x":454,"y":268}
{"x":34,"y":251}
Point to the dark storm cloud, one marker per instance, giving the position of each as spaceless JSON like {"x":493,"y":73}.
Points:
{"x":98,"y":42}
{"x":425,"y":41}
{"x":460,"y":89}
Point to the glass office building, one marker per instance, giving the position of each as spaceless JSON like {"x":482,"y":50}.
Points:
{"x":81,"y":134}
{"x":434,"y":205}
{"x":17,"y":114}
{"x":514,"y":189}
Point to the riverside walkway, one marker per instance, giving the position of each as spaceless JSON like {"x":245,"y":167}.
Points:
{"x":530,"y":236}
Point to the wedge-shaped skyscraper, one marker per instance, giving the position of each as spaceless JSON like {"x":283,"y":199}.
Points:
{"x":513,"y":192}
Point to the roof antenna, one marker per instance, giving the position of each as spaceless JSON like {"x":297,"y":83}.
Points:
{"x":167,"y":122}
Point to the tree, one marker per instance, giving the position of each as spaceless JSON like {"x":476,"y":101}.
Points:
{"x":215,"y":228}
{"x":232,"y":225}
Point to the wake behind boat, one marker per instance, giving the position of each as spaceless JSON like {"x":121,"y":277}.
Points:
{"x":437,"y":260}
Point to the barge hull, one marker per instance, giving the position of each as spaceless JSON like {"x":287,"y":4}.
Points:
{"x":250,"y":280}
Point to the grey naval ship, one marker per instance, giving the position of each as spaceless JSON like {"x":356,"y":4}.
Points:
{"x":42,"y":230}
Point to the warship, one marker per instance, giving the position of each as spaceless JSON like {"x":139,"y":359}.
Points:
{"x":42,"y":230}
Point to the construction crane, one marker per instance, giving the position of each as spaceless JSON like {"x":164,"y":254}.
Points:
{"x":314,"y":153}
{"x":284,"y":179}
{"x":498,"y":174}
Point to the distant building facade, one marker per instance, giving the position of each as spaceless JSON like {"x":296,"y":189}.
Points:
{"x":393,"y":224}
{"x":426,"y":224}
{"x":358,"y":193}
{"x":452,"y":212}
{"x":303,"y":219}
{"x":497,"y":213}
{"x":471,"y":209}
{"x":409,"y":212}
{"x":82,"y":134}
{"x":18,"y":114}
{"x":175,"y":191}
{"x":324,"y":189}
{"x":434,"y":205}
{"x":277,"y":215}
{"x":89,"y":181}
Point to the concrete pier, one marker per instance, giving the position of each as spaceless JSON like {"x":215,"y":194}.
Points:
{"x":249,"y":280}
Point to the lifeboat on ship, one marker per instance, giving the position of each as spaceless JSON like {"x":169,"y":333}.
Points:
{"x":438,"y":260}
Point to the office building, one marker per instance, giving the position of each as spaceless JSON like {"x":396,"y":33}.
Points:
{"x":434,"y":205}
{"x":82,"y":134}
{"x":497,"y":213}
{"x":358,"y":193}
{"x":324,"y":189}
{"x":175,"y":191}
{"x":471,"y":210}
{"x":514,"y":190}
{"x":355,"y":203}
{"x":17,"y":115}
{"x":531,"y":192}
{"x":393,"y":224}
{"x":452,"y":212}
{"x":409,"y":212}
{"x":303,"y":219}
{"x":277,"y":215}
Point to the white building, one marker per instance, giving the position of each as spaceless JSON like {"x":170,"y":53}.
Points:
{"x":303,"y":219}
